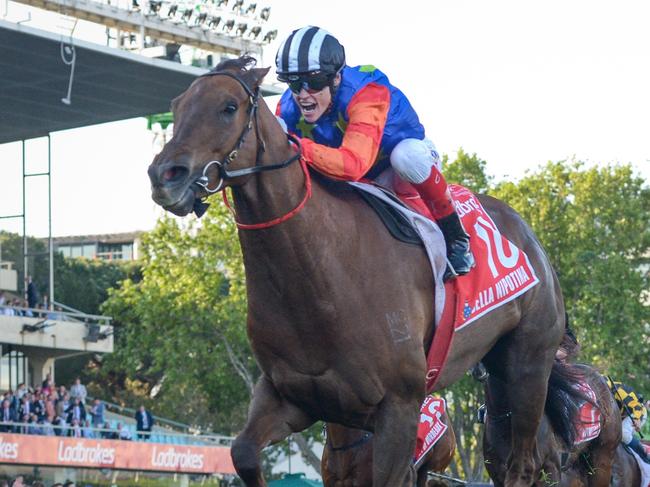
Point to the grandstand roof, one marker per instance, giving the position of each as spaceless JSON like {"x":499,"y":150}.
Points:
{"x":108,"y":85}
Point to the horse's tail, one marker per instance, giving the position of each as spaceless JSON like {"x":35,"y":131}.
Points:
{"x":563,"y":400}
{"x":569,"y":343}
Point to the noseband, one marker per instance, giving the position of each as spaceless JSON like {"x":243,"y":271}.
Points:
{"x":224,"y":175}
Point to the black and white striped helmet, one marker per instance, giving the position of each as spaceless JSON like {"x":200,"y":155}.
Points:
{"x":310,"y":49}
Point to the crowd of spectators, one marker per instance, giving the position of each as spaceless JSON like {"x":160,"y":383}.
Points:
{"x":52,"y":410}
{"x":13,"y":306}
{"x":49,"y":410}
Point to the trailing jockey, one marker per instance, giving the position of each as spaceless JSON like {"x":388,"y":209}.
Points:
{"x":354,"y":124}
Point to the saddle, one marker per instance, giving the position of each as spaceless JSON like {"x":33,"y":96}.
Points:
{"x":396,"y":223}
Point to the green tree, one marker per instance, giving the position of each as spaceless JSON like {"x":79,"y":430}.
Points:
{"x":595,"y":226}
{"x":181,"y":343}
{"x":80,"y":283}
{"x":467,"y":170}
{"x":37,"y":260}
{"x":180,"y":330}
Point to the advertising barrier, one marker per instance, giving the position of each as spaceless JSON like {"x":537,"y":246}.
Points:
{"x":114,"y":454}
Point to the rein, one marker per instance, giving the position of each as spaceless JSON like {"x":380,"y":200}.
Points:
{"x":200,"y":206}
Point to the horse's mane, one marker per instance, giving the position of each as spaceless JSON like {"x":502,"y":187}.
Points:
{"x":241,"y":64}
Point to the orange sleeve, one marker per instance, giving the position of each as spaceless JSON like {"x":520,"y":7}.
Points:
{"x":367,"y":114}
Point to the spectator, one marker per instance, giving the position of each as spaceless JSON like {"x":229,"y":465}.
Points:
{"x":108,"y":433}
{"x":78,"y":390}
{"x":48,"y":383}
{"x":62,"y":404}
{"x":32,"y":293}
{"x":22,"y":428}
{"x":144,"y":421}
{"x":97,"y":413}
{"x":33,"y":428}
{"x":50,"y":408}
{"x":87,"y":430}
{"x":76,"y":411}
{"x":18,"y":482}
{"x":8,"y":311}
{"x":26,"y":407}
{"x":69,"y":483}
{"x":75,"y":429}
{"x":21,"y":391}
{"x":47,"y":427}
{"x":61,"y":426}
{"x":123,"y":432}
{"x":7,"y":416}
{"x":39,"y":406}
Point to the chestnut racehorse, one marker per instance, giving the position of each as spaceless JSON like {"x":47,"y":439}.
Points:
{"x":340,"y":314}
{"x":347,"y":456}
{"x":562,"y":462}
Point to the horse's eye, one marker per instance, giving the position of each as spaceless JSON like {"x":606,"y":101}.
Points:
{"x":230,"y":108}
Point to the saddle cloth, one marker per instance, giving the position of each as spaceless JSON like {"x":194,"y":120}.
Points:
{"x":588,"y":425}
{"x":502,"y":272}
{"x":431,"y":427}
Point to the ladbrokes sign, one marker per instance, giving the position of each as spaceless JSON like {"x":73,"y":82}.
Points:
{"x":122,"y":455}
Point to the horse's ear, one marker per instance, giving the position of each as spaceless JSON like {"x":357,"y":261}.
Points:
{"x":257,"y":75}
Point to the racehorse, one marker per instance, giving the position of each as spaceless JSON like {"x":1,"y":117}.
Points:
{"x":340,"y":314}
{"x":588,"y":463}
{"x":347,"y":456}
{"x":625,"y":469}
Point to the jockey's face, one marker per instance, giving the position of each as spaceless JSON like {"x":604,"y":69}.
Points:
{"x":313,"y":104}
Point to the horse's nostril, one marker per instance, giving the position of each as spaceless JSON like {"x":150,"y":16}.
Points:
{"x":174,"y":173}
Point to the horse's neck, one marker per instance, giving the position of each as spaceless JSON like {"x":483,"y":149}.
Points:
{"x":269,"y":195}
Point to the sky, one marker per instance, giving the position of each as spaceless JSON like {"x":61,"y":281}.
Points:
{"x":517,"y":83}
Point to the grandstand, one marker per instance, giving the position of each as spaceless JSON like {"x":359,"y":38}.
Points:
{"x":55,"y":81}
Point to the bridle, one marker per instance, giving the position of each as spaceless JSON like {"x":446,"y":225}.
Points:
{"x":200,"y":206}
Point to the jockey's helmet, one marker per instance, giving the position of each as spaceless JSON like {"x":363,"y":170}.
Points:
{"x":307,"y":53}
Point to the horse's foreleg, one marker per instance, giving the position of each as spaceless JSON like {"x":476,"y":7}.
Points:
{"x":270,"y":420}
{"x":394,"y":441}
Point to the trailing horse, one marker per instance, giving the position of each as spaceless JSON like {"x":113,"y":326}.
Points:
{"x":340,"y":314}
{"x":561,"y":459}
{"x":625,"y":469}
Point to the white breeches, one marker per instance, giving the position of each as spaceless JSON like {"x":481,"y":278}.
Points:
{"x":628,"y":430}
{"x":412,"y":159}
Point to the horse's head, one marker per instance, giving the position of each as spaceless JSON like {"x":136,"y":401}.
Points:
{"x":214,"y":125}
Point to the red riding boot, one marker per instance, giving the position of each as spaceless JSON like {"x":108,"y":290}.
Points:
{"x":435,"y":194}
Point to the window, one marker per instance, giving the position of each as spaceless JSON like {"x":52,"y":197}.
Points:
{"x":65,"y":250}
{"x":13,"y":368}
{"x":89,"y":251}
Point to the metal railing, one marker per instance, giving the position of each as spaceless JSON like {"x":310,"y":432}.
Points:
{"x":57,"y":315}
{"x":124,"y":433}
{"x":187,"y":431}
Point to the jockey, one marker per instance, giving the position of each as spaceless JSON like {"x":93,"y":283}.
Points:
{"x":634,"y":415}
{"x":354,"y":124}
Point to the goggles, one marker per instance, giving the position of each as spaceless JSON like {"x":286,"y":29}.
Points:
{"x":312,"y":83}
